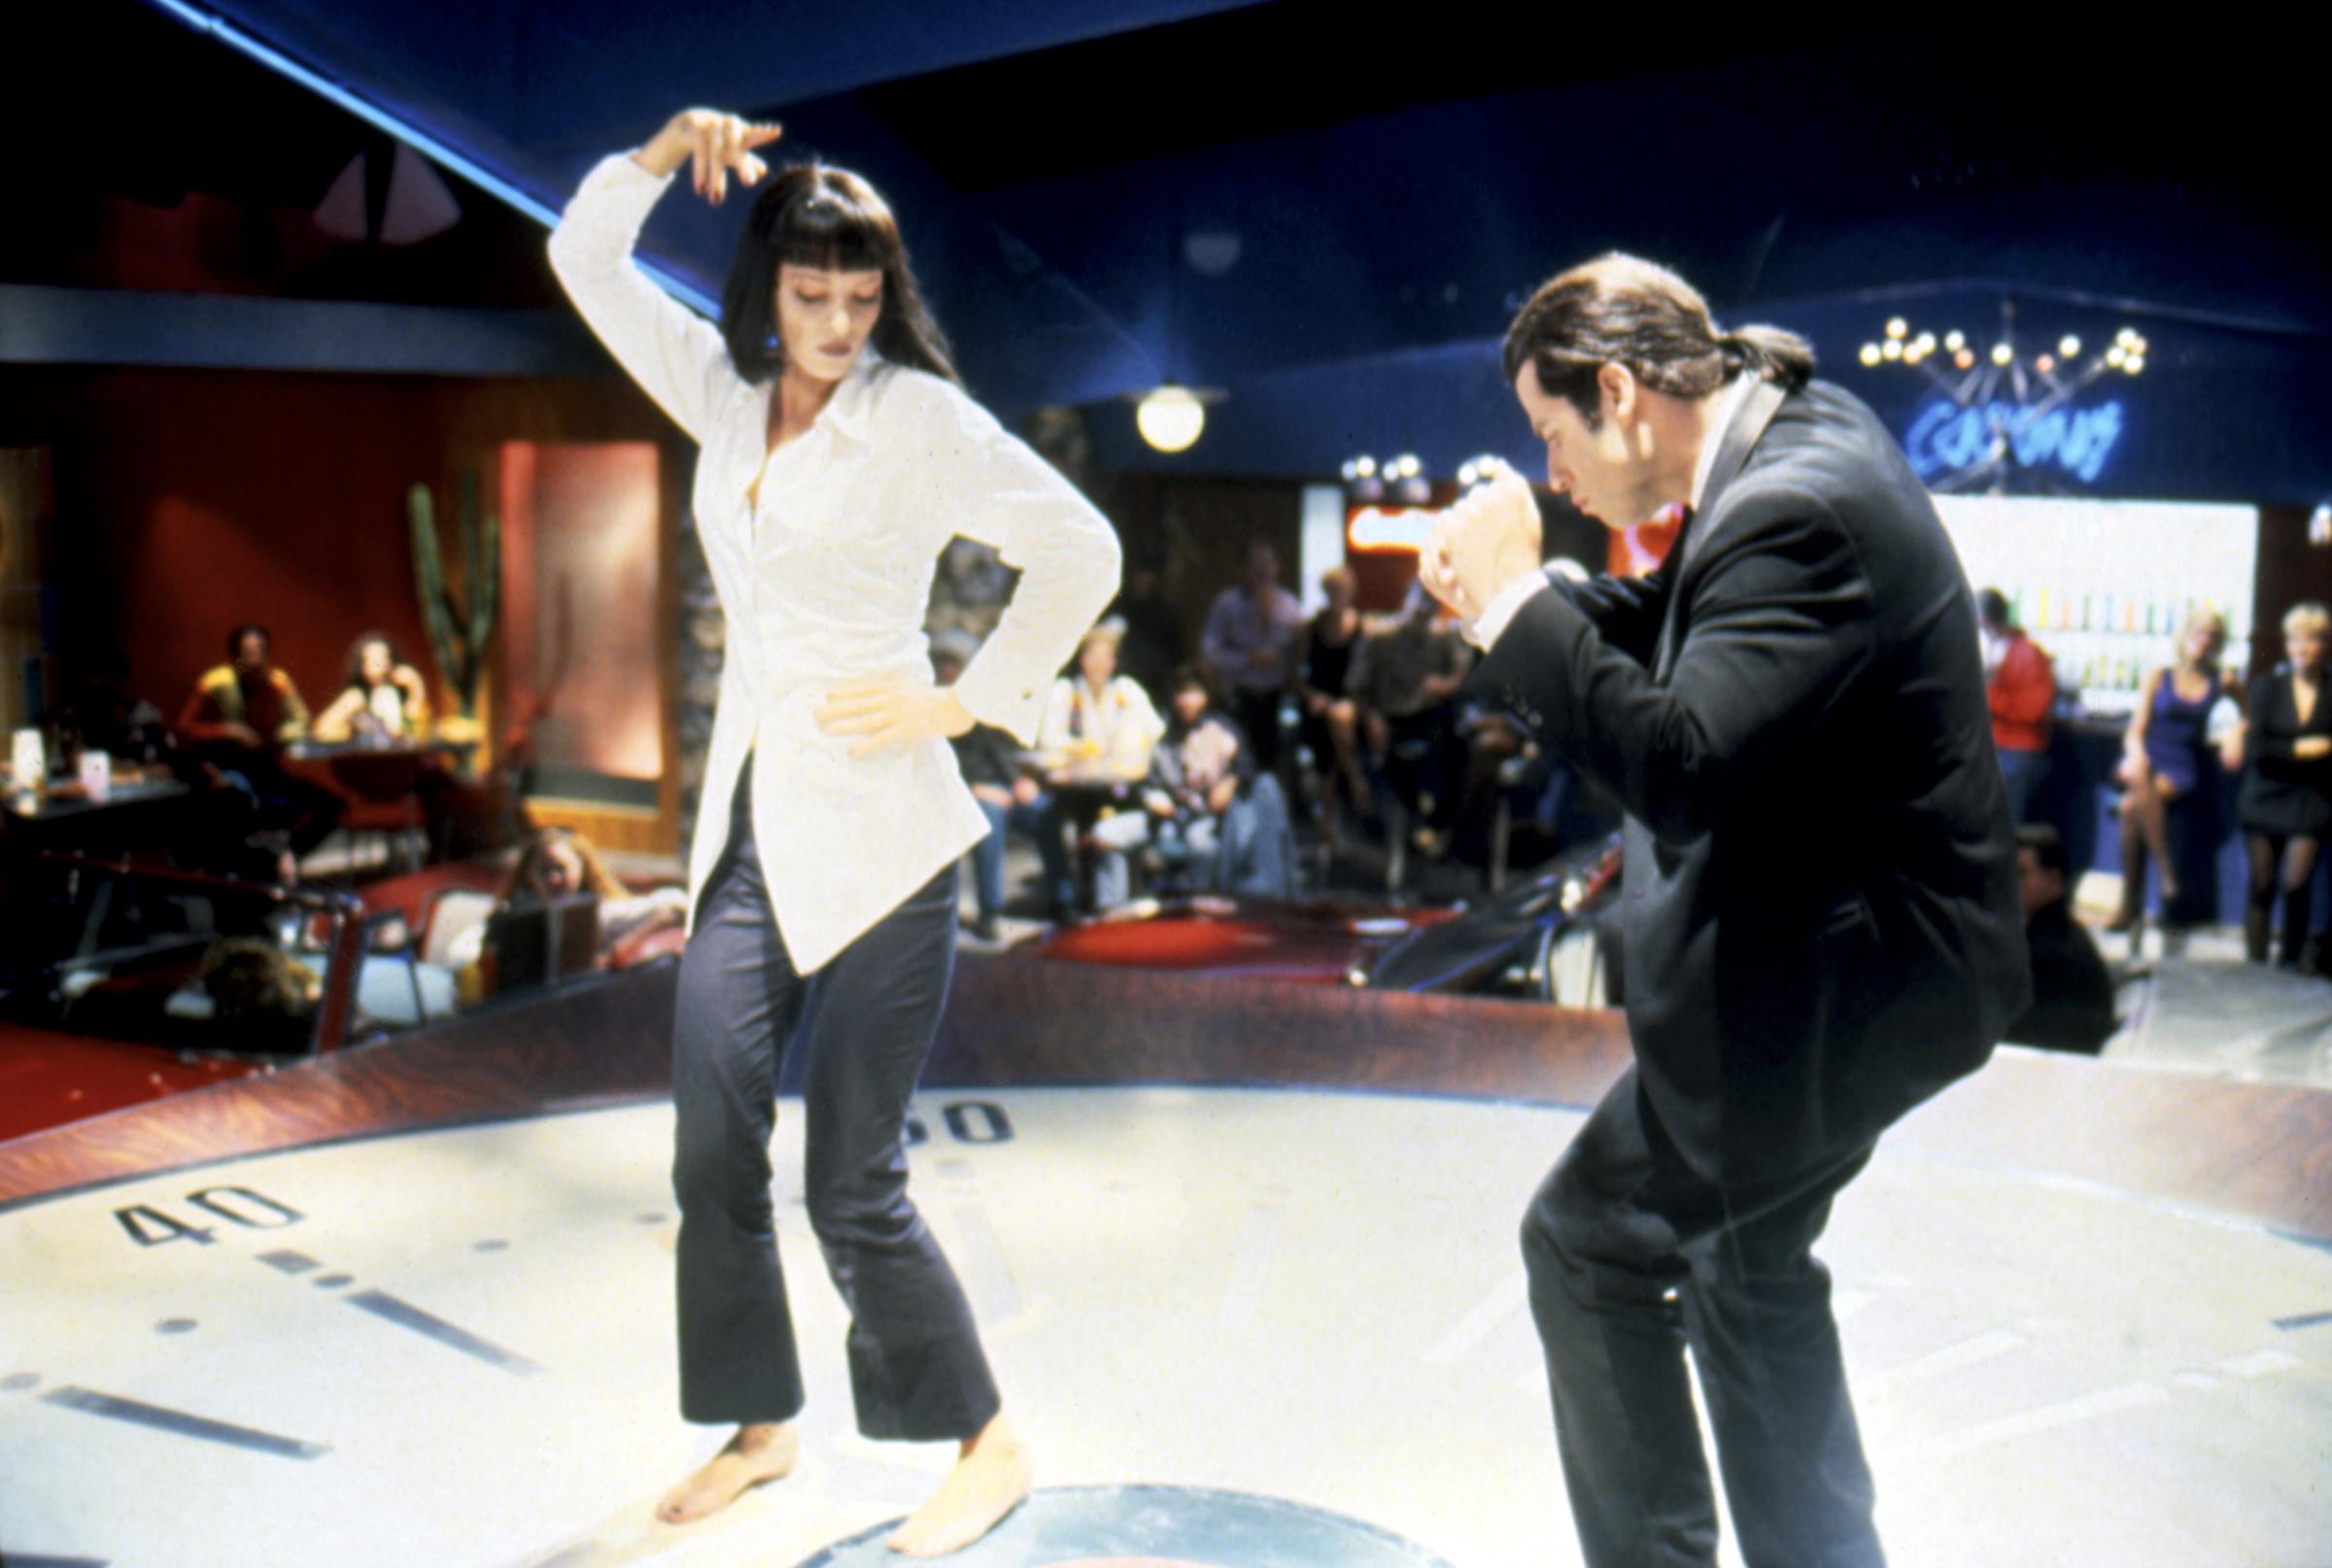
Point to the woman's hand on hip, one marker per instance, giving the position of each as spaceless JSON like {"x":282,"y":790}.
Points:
{"x":892,"y":713}
{"x":716,"y":145}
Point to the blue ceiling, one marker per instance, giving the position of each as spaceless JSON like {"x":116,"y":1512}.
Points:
{"x":1105,"y":193}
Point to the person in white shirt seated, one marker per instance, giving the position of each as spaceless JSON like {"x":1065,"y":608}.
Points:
{"x":839,"y":456}
{"x":1095,"y":738}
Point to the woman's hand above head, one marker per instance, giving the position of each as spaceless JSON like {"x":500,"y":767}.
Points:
{"x":716,"y":144}
{"x":892,"y":713}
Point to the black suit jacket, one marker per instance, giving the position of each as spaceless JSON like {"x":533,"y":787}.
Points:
{"x":1820,"y":892}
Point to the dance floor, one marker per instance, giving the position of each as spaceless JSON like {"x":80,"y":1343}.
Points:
{"x":1243,"y":1324}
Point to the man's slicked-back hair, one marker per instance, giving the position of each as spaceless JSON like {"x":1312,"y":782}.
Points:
{"x":1623,"y":310}
{"x":814,"y":214}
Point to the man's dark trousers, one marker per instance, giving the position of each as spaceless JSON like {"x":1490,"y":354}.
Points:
{"x":1633,"y":1256}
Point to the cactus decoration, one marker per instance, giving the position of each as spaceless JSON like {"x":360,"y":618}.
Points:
{"x":457,"y":633}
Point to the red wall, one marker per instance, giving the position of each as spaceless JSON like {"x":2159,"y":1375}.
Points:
{"x":187,"y":501}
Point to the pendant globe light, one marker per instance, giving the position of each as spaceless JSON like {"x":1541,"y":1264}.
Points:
{"x":1171,"y":416}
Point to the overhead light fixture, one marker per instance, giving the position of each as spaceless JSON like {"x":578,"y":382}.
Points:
{"x":1170,"y":418}
{"x":2010,"y":400}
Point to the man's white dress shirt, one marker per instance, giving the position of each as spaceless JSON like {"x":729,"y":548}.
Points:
{"x":825,"y":580}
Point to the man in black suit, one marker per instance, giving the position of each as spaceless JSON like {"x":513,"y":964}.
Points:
{"x":1820,"y":911}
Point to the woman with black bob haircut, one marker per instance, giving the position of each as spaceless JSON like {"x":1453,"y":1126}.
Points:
{"x":814,"y":214}
{"x":838,"y":456}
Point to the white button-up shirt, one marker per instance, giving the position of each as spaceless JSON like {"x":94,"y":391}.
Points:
{"x":825,"y":579}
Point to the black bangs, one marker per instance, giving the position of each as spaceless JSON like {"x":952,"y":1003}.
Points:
{"x":826,"y":231}
{"x":815,"y":216}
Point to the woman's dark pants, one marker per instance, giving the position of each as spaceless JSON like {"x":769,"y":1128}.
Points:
{"x":865,"y":1022}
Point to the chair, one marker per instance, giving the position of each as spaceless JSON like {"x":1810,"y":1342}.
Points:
{"x":537,"y":942}
{"x":381,"y":790}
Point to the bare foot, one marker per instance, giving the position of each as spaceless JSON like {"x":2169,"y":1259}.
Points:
{"x":991,"y":1475}
{"x":756,"y":1454}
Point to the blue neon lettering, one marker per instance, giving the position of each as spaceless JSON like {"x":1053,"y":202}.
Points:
{"x":1944,"y":438}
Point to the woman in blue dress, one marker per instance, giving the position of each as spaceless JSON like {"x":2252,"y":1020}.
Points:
{"x":2164,"y":755}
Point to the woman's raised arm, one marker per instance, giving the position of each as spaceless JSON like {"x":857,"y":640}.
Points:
{"x":676,"y":355}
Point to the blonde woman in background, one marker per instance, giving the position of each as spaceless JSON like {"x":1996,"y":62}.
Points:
{"x":1098,"y":730}
{"x":2165,"y":755}
{"x":2285,"y":804}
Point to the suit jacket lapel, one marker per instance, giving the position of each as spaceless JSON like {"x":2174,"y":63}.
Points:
{"x":1741,"y":438}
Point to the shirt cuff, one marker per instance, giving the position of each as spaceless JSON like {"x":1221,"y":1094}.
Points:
{"x":1484,"y":629}
{"x":1002,"y":697}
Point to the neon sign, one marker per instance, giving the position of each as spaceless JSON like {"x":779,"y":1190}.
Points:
{"x":1389,"y":530}
{"x":1946,"y":438}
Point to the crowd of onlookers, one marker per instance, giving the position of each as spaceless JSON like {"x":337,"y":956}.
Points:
{"x":241,"y":719}
{"x":1167,"y":762}
{"x":1200,"y":772}
{"x":2196,"y":731}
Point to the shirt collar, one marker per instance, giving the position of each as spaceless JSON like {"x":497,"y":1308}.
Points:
{"x":1736,"y":391}
{"x":852,"y":406}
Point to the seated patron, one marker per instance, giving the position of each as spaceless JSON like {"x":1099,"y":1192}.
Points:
{"x":2073,"y":993}
{"x":1096,"y":736}
{"x":1009,"y":795}
{"x":1404,"y":681}
{"x":264,"y":1000}
{"x":558,"y":864}
{"x":235,"y":722}
{"x":247,"y":704}
{"x":382,"y":701}
{"x":1214,"y":813}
